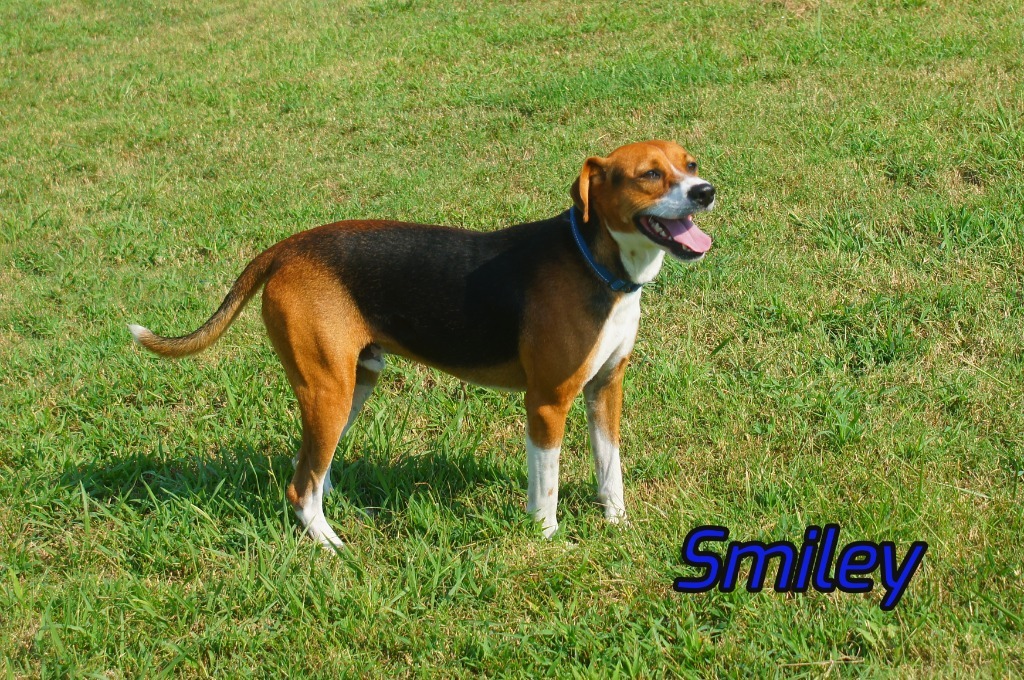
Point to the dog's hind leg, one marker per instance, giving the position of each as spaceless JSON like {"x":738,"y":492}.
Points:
{"x":371,"y":363}
{"x":318,"y":335}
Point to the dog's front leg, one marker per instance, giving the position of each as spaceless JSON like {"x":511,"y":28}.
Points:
{"x":545,"y":425}
{"x":604,"y":407}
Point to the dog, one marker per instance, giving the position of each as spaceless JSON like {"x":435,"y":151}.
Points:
{"x":550,"y":308}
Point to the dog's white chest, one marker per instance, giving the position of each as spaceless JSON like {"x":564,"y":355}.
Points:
{"x":617,"y":335}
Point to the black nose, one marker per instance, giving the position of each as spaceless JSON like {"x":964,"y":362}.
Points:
{"x":702,"y":194}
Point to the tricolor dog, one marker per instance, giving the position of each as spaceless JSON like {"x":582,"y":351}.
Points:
{"x":550,"y":308}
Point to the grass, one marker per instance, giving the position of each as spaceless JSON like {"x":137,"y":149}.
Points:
{"x":849,"y":352}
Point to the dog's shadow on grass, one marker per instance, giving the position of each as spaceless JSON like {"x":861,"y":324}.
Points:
{"x":240,"y":478}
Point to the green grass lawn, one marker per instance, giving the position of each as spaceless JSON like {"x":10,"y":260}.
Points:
{"x":850,"y":351}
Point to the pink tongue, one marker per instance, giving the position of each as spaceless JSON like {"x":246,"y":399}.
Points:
{"x":686,"y":232}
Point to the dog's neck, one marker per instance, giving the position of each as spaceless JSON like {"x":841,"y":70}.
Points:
{"x":640,"y":258}
{"x":630,"y":256}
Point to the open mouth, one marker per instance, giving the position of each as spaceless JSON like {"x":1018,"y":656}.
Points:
{"x":680,"y":236}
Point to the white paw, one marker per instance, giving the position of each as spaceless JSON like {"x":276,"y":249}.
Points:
{"x":549,"y":525}
{"x":319,"y":530}
{"x":327,"y":539}
{"x":616,"y":516}
{"x":546,"y":518}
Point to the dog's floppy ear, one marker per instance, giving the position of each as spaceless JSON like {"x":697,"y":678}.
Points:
{"x":593,"y":168}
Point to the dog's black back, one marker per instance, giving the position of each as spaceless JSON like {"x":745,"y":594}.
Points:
{"x":453,"y":297}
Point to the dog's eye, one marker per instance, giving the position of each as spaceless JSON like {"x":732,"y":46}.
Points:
{"x":691,"y":166}
{"x":652,"y":174}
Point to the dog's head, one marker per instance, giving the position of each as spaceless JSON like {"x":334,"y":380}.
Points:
{"x":649,"y":189}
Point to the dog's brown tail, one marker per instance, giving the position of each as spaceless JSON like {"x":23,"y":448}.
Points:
{"x":246,"y":285}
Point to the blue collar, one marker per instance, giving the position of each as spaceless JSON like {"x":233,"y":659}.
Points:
{"x":616,"y":284}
